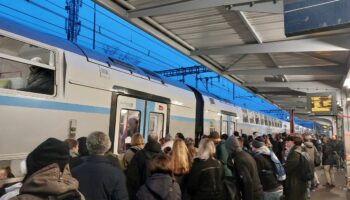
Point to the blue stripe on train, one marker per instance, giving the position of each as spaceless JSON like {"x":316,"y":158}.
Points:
{"x":51,"y":105}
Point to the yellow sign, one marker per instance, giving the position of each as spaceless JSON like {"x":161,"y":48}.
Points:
{"x":321,"y":103}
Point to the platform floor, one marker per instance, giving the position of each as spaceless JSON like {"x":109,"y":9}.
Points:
{"x":337,"y":193}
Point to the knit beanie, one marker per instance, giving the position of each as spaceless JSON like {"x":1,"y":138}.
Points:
{"x":50,"y":151}
{"x":257,"y":144}
{"x":232,"y":145}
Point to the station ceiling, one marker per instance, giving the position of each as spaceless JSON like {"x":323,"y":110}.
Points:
{"x":244,"y":41}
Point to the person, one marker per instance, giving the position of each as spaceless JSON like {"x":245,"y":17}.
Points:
{"x":129,"y":130}
{"x":180,"y":136}
{"x":328,"y":162}
{"x":181,"y":163}
{"x":139,"y":168}
{"x":168,"y":142}
{"x":40,"y":80}
{"x":224,"y":137}
{"x":205,"y":180}
{"x":98,"y":177}
{"x":6,"y":173}
{"x":295,"y":186}
{"x":312,"y":152}
{"x":236,"y":133}
{"x":73,"y":147}
{"x":221,"y":151}
{"x":273,"y":189}
{"x":137,"y":144}
{"x":245,"y":170}
{"x":82,"y":153}
{"x":48,"y":175}
{"x":191,"y":148}
{"x":160,"y":185}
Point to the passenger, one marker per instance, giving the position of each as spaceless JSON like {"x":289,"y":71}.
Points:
{"x":40,"y":80}
{"x":131,"y":129}
{"x":48,"y":175}
{"x":168,"y":142}
{"x":73,"y":147}
{"x":273,"y":189}
{"x":191,"y":148}
{"x":113,"y":159}
{"x":180,"y":136}
{"x":244,"y":167}
{"x":328,"y":162}
{"x":236,"y":134}
{"x":181,"y":164}
{"x":98,"y":178}
{"x":221,"y":151}
{"x":137,"y":144}
{"x":82,"y":151}
{"x":224,"y":137}
{"x":6,"y":173}
{"x":160,"y":185}
{"x":139,"y":168}
{"x":295,"y":187}
{"x":205,"y":181}
{"x":312,"y":151}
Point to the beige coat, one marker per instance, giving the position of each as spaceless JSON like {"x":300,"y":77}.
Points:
{"x":48,"y":181}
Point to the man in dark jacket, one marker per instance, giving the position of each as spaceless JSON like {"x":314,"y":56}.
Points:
{"x":98,"y":177}
{"x":139,"y":168}
{"x":328,"y":161}
{"x":244,"y":167}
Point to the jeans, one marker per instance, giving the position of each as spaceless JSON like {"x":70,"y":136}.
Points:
{"x":273,"y":195}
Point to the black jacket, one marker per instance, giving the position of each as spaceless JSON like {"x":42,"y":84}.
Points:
{"x":205,"y":181}
{"x":138,"y":170}
{"x":266,"y":171}
{"x":99,"y":179}
{"x":328,"y":153}
{"x":246,"y":171}
{"x":159,"y":186}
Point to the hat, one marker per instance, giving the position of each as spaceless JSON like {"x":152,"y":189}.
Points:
{"x":257,"y":144}
{"x":232,"y":145}
{"x":50,"y":151}
{"x":83,"y":151}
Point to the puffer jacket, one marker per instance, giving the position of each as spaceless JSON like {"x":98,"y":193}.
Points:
{"x":49,"y":182}
{"x":159,"y":186}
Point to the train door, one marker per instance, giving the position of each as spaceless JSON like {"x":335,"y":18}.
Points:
{"x":228,"y":124}
{"x":137,"y":112}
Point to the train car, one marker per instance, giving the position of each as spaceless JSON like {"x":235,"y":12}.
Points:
{"x":50,"y":87}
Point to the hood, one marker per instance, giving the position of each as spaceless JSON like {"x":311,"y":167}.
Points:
{"x":309,"y":144}
{"x":49,"y":180}
{"x":160,"y":184}
{"x":153,"y":147}
{"x":263,"y":150}
{"x":232,"y":145}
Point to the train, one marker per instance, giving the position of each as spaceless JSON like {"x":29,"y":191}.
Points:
{"x":80,"y":90}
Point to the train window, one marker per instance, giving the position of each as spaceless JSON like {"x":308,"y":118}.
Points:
{"x":245,"y":115}
{"x":156,"y":123}
{"x":128,"y":126}
{"x":224,"y":128}
{"x":266,"y":121}
{"x":251,"y":118}
{"x":262,"y":119}
{"x":257,"y":120}
{"x":26,"y":67}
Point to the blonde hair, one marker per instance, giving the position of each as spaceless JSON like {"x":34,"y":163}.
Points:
{"x":137,"y":140}
{"x":180,"y":158}
{"x":206,"y":149}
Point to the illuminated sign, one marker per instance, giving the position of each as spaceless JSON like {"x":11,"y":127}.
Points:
{"x":322,"y":103}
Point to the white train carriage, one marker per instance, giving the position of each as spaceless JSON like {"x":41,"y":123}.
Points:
{"x":88,"y":91}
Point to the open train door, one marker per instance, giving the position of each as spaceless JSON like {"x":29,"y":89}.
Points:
{"x":134,"y":112}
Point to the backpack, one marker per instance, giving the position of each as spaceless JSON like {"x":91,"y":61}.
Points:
{"x":279,"y":169}
{"x":306,"y":171}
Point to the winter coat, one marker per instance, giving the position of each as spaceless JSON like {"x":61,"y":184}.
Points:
{"x":327,"y":154}
{"x":182,"y":180}
{"x":295,"y":187}
{"x":159,"y":186}
{"x":205,"y":180}
{"x":100,"y":179}
{"x":222,"y":156}
{"x":248,"y":181}
{"x":139,"y":168}
{"x":49,"y":181}
{"x":129,"y":154}
{"x":312,"y":152}
{"x":266,"y":170}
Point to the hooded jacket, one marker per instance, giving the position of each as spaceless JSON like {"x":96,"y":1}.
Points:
{"x":159,"y":186}
{"x":49,"y":181}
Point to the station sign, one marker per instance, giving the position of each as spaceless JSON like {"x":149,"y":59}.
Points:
{"x":322,"y":103}
{"x":301,"y":17}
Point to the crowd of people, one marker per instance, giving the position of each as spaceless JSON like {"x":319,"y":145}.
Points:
{"x":236,"y":167}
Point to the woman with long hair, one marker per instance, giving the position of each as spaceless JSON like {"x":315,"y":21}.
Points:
{"x":205,"y":180}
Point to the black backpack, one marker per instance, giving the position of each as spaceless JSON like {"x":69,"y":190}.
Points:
{"x":306,"y":171}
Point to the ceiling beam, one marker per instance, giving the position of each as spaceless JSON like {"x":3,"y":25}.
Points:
{"x":287,"y":93}
{"x":261,"y":7}
{"x":324,"y":70}
{"x":293,"y":85}
{"x":335,"y":43}
{"x":182,"y":6}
